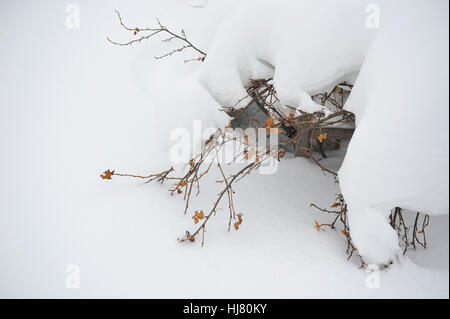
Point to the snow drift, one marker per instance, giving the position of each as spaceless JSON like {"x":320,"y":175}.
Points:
{"x":73,"y":105}
{"x":399,"y":153}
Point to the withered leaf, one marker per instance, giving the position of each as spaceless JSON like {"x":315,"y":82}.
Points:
{"x":107,"y":174}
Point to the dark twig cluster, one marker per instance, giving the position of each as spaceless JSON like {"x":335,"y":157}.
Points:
{"x":201,"y":164}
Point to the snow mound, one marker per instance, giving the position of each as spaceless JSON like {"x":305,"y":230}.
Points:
{"x":398,"y":155}
{"x":290,"y":41}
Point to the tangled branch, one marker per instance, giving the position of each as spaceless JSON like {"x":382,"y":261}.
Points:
{"x":291,"y":125}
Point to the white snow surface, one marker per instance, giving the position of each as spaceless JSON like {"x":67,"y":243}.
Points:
{"x":73,"y":105}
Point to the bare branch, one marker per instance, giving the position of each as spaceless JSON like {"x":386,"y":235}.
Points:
{"x":153,"y":32}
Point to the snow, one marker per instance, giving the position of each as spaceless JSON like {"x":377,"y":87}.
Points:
{"x":399,"y":153}
{"x":73,"y":105}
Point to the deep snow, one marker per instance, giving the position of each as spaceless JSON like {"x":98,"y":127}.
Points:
{"x":73,"y":105}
